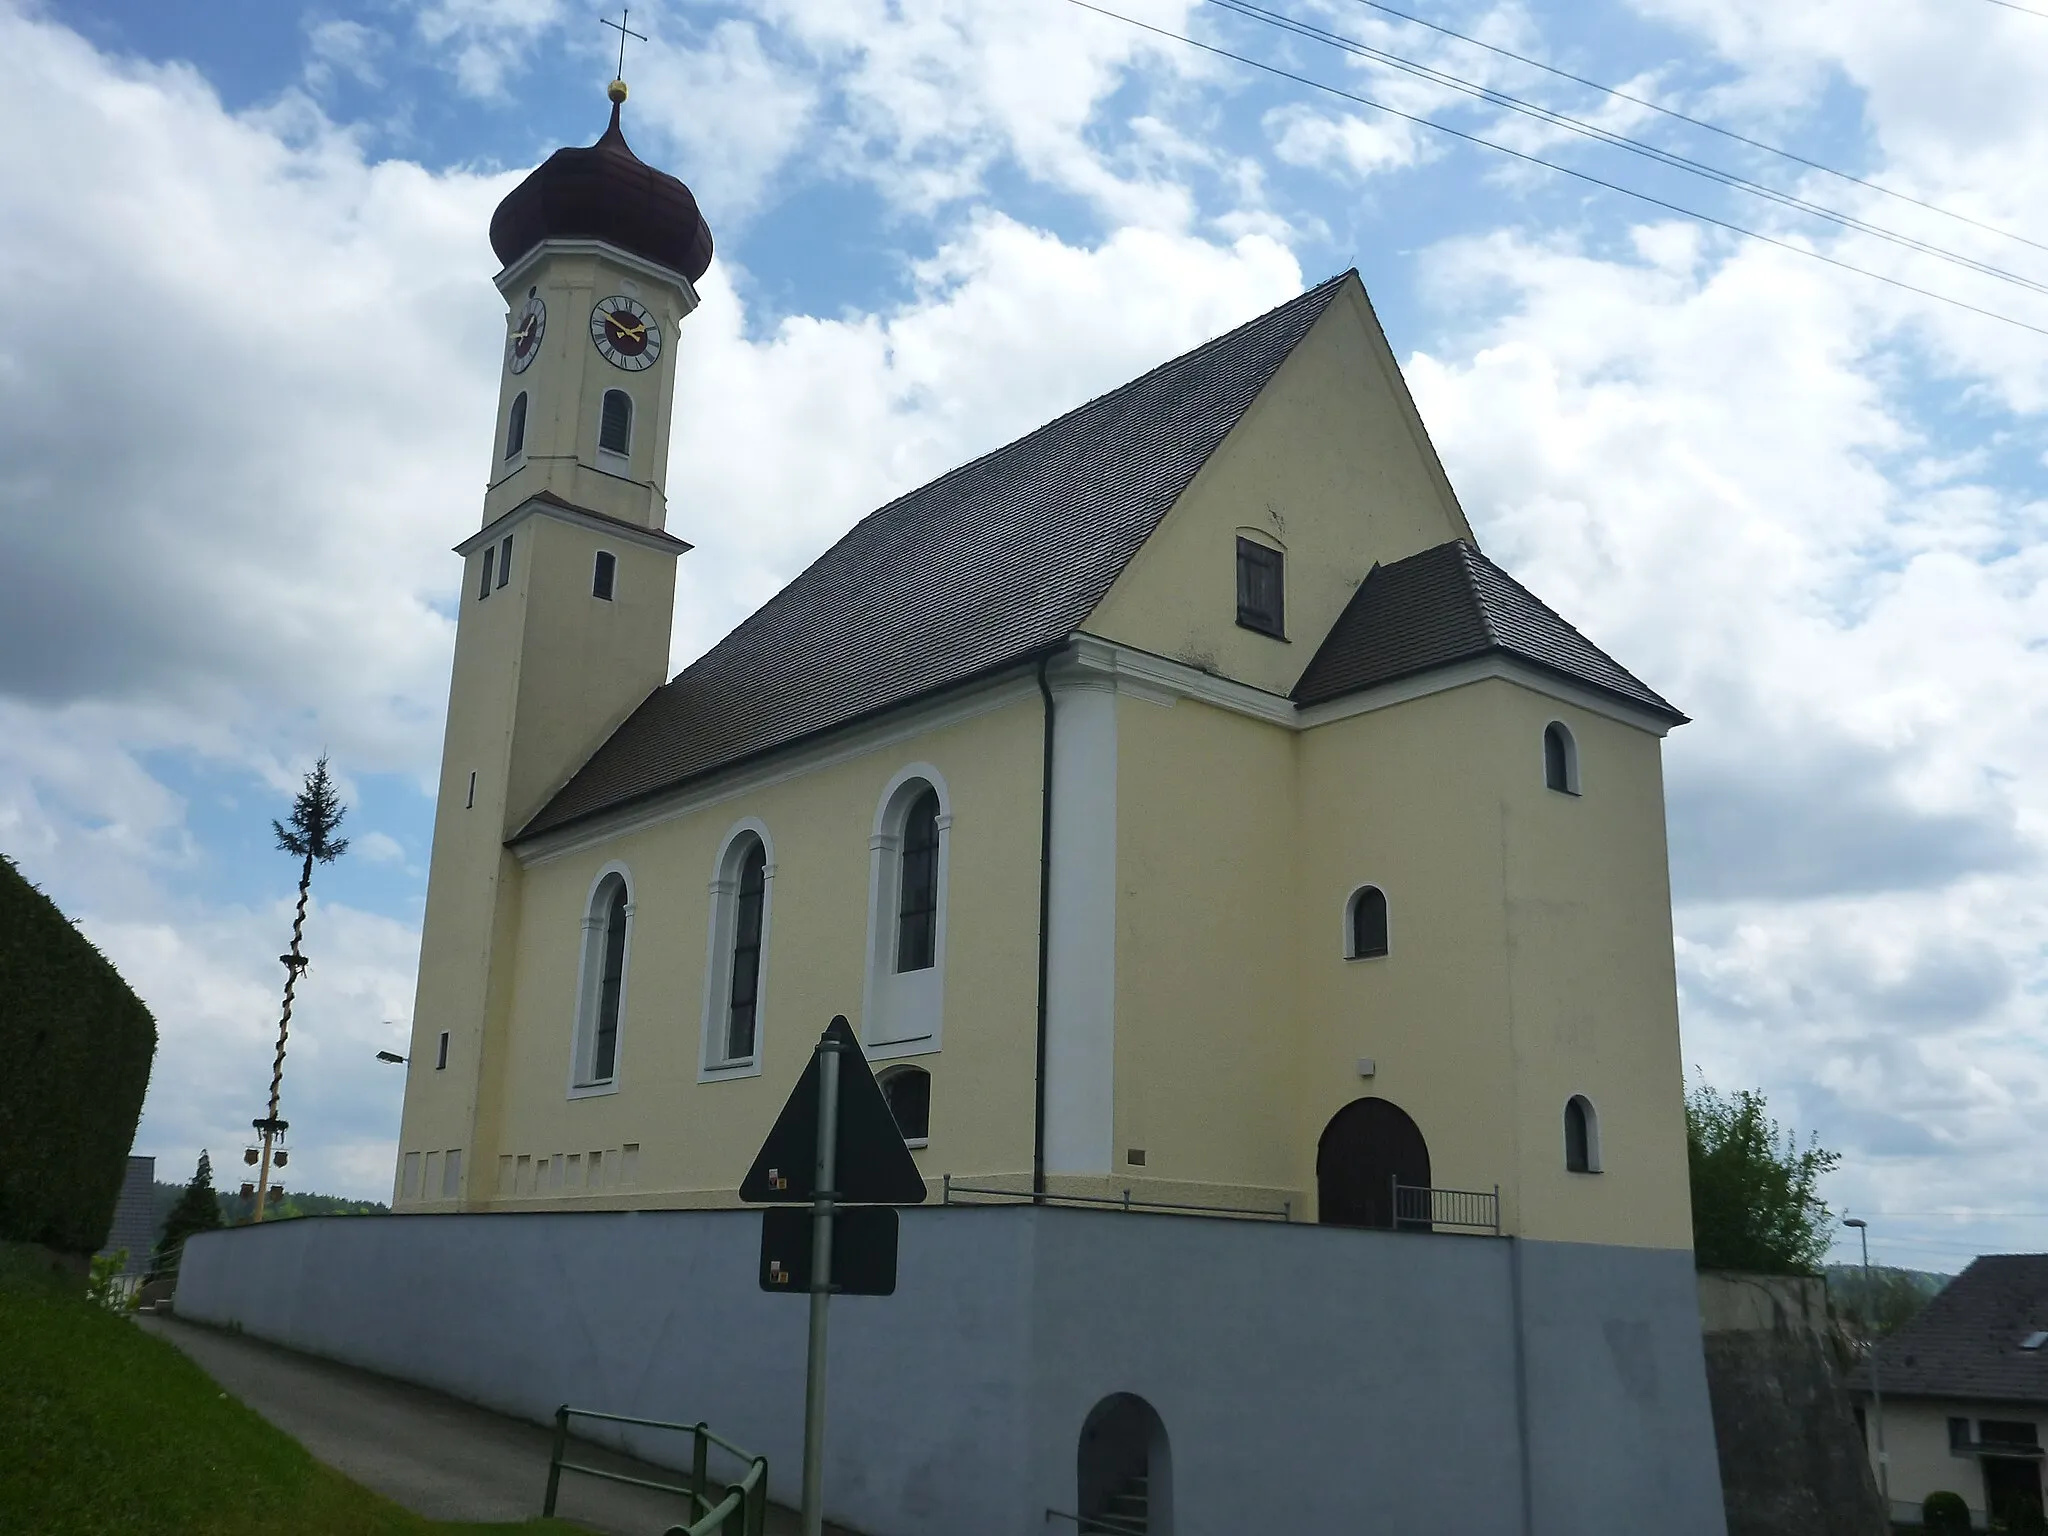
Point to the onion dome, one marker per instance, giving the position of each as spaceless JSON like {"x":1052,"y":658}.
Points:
{"x":608,"y":193}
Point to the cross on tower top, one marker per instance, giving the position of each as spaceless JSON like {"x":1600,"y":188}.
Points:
{"x":624,"y":32}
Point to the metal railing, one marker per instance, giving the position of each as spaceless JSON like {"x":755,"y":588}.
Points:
{"x":949,"y":1187}
{"x":1419,"y":1205}
{"x":742,"y":1511}
{"x":1100,"y":1525}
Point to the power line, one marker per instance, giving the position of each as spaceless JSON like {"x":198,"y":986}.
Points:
{"x":1552,"y":165}
{"x":1281,"y":22}
{"x":1726,"y":133}
{"x":2024,"y":10}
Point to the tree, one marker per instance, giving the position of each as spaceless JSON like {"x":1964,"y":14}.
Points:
{"x":1754,"y":1200}
{"x":316,"y":813}
{"x":197,"y":1210}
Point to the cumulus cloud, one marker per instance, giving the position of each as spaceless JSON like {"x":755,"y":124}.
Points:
{"x":230,"y":551}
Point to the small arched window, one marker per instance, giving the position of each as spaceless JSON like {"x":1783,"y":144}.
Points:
{"x":605,"y":933}
{"x":515,"y":427}
{"x":1560,"y":759}
{"x":1581,"y":1135}
{"x":615,"y":424}
{"x":604,"y":572}
{"x":744,"y":990}
{"x":917,"y":912}
{"x":1367,"y":928}
{"x":908,"y":1092}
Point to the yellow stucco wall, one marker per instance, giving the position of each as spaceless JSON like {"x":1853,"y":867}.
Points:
{"x":1530,"y":956}
{"x":1331,"y":464}
{"x":695,"y":1139}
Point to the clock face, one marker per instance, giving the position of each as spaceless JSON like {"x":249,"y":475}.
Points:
{"x":523,"y":345}
{"x":624,"y":331}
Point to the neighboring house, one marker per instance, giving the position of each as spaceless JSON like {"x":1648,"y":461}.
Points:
{"x":1176,"y":800}
{"x":1965,"y":1389}
{"x":136,"y":1220}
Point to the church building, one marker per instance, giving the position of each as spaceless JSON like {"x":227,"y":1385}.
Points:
{"x":1178,"y":802}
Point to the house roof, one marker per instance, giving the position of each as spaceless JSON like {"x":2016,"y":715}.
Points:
{"x":988,"y":565}
{"x":1966,"y":1342}
{"x":1450,"y":604}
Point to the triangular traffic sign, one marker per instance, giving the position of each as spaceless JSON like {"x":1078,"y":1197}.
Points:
{"x":874,"y":1167}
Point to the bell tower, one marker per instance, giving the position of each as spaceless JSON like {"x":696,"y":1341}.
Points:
{"x":568,"y":593}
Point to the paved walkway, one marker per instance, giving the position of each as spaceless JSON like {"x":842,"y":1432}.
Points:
{"x":445,"y":1459}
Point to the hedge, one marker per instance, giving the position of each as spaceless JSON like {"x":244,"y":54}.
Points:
{"x":77,"y":1044}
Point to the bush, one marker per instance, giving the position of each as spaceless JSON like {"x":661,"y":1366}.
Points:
{"x":78,"y":1046}
{"x":1945,"y":1512}
{"x":1755,"y":1199}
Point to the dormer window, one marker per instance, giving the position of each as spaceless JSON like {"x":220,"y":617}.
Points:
{"x":1261,"y":600}
{"x":615,"y":424}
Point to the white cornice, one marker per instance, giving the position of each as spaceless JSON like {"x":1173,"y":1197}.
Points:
{"x":1147,"y":676}
{"x":1493,"y":666}
{"x":513,"y":275}
{"x":611,"y":527}
{"x":1090,"y":662}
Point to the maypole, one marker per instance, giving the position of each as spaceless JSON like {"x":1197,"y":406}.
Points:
{"x":315,"y":815}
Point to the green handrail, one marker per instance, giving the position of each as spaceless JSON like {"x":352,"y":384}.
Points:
{"x":747,"y":1498}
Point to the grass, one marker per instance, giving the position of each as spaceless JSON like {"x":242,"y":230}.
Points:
{"x":109,"y":1430}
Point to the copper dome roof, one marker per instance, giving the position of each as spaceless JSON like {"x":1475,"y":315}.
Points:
{"x":608,"y":193}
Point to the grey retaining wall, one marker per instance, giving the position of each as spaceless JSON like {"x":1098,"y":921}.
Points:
{"x":1310,"y":1379}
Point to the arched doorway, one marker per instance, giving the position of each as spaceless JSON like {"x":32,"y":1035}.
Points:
{"x":1366,"y":1147}
{"x":1125,"y":1469}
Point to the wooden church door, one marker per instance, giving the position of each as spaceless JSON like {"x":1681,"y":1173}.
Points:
{"x":1367,"y":1145}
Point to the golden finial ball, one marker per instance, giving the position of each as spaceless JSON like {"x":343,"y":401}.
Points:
{"x":616,"y":91}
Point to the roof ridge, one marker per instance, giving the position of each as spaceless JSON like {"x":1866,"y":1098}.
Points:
{"x":1127,"y":387}
{"x":1577,"y":633}
{"x":1467,"y":551}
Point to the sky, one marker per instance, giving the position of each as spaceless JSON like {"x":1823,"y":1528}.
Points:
{"x":1794,"y":478}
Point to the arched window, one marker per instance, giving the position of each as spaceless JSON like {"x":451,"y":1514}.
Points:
{"x":615,"y":423}
{"x":515,"y":427}
{"x":1560,"y":759}
{"x":1581,"y":1135}
{"x":604,"y":571}
{"x":737,"y":964}
{"x":908,"y":1091}
{"x":607,"y":931}
{"x":1366,"y":929}
{"x":907,"y":915}
{"x":917,"y":911}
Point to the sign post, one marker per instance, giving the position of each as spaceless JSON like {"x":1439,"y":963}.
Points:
{"x":823,"y":1197}
{"x":836,"y":1141}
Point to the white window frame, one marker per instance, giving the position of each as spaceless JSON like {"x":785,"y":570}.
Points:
{"x":609,"y":460}
{"x":1571,"y":757}
{"x":712,"y":1065}
{"x":903,"y":1013}
{"x":589,"y":979}
{"x":1350,"y":928}
{"x":915,"y":1143}
{"x":1593,"y":1163}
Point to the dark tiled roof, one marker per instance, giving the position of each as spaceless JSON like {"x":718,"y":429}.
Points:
{"x":1447,"y":604}
{"x":1965,"y":1343}
{"x":983,"y":568}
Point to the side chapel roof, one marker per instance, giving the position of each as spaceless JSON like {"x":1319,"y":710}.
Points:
{"x":986,"y":566}
{"x":1450,"y":604}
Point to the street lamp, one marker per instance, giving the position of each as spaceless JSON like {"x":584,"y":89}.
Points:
{"x":393,"y":1057}
{"x":1884,"y":1479}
